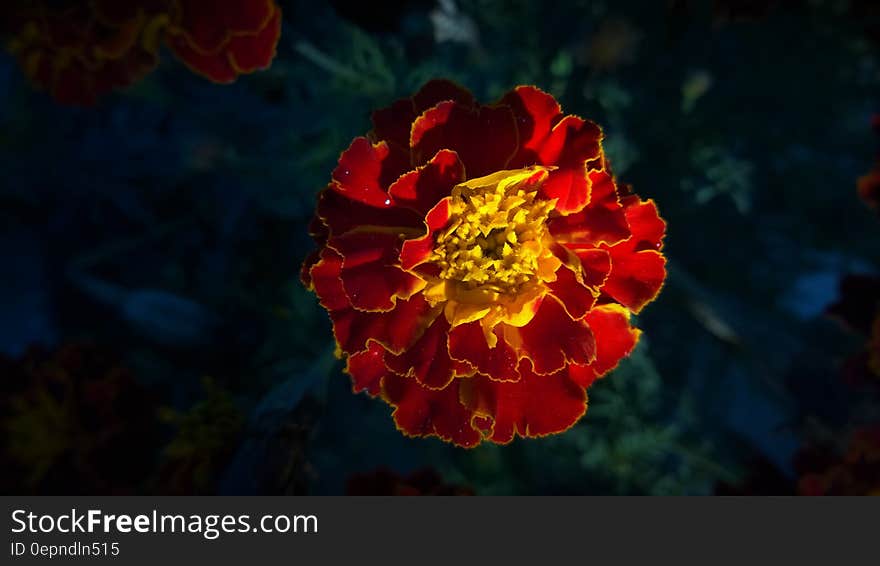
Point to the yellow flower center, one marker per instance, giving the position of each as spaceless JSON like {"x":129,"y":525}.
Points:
{"x":494,"y":255}
{"x":495,"y":238}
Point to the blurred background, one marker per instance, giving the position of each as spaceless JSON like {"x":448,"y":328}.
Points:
{"x":155,"y":337}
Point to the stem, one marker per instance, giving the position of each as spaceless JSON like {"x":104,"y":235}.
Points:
{"x":326,"y":62}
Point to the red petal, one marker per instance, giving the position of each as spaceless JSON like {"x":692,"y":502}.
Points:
{"x":868,"y":187}
{"x":637,"y":269}
{"x":636,"y":277}
{"x":325,"y":277}
{"x":422,"y":188}
{"x":596,"y":264}
{"x":576,"y":297}
{"x":438,"y":90}
{"x":485,"y":138}
{"x":371,"y":275}
{"x":341,"y":214}
{"x":305,"y":275}
{"x":552,"y":339}
{"x":215,"y":67}
{"x":208,"y":24}
{"x":615,"y":339}
{"x":250,"y":53}
{"x":427,"y":412}
{"x":359,"y":173}
{"x":645,"y":224}
{"x":603,"y":220}
{"x":367,"y":369}
{"x":572,"y":142}
{"x":394,"y":124}
{"x":467,"y":342}
{"x":536,"y":405}
{"x":318,"y":230}
{"x":569,"y":186}
{"x":417,"y":251}
{"x":536,"y":113}
{"x":396,"y":330}
{"x":428,"y":358}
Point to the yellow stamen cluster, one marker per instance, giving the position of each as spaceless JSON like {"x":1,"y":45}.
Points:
{"x":496,"y":237}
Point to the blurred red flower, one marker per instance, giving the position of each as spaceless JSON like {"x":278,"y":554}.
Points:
{"x":855,"y":473}
{"x":78,"y":51}
{"x":480,"y":264}
{"x":858,"y":309}
{"x":74,"y":420}
{"x":868,"y":185}
{"x":225,"y":39}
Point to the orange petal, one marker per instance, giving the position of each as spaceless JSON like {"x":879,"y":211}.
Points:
{"x":419,"y":411}
{"x":552,"y":339}
{"x":536,"y":405}
{"x":485,"y":137}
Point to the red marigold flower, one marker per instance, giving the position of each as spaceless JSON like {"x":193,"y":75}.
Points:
{"x":480,"y":264}
{"x":78,"y":51}
{"x":868,"y":187}
{"x":223,"y":39}
{"x":74,"y":420}
{"x":857,"y":472}
{"x":858,"y":309}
